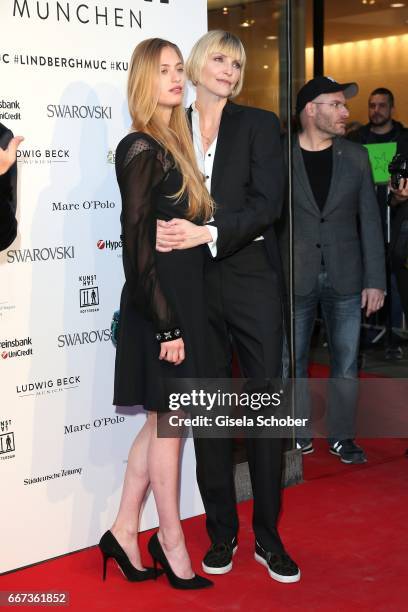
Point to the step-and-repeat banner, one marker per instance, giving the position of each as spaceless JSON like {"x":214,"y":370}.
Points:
{"x":63,"y":447}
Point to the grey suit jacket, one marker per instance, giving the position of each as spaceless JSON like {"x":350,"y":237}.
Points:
{"x":347,"y":232}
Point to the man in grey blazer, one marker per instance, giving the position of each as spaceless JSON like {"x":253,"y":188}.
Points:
{"x":339,"y":253}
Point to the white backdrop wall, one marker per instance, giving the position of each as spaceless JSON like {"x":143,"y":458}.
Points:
{"x":63,"y":448}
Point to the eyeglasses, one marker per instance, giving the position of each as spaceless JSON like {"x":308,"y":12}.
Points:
{"x":335,"y":105}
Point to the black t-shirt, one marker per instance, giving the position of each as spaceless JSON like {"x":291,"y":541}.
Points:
{"x":319,"y":168}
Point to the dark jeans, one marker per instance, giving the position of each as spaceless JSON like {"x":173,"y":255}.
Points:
{"x":342,"y":318}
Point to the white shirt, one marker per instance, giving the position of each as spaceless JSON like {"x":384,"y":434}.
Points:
{"x":205,"y":163}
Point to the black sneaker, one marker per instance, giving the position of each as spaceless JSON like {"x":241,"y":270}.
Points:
{"x":348,"y":451}
{"x":218,"y":559}
{"x":305,"y":445}
{"x":280,"y":566}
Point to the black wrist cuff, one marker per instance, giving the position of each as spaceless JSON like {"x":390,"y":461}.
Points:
{"x":166,"y":336}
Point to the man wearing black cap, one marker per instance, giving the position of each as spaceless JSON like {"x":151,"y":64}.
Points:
{"x":339,"y":253}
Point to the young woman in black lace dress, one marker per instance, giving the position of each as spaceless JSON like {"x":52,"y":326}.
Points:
{"x":162,"y":318}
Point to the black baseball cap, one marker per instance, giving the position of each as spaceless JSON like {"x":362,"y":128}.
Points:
{"x":320,"y":85}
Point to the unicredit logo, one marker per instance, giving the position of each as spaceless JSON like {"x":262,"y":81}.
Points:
{"x":16,"y":347}
{"x":86,"y":337}
{"x":44,"y":254}
{"x":112,"y":245}
{"x":64,"y":111}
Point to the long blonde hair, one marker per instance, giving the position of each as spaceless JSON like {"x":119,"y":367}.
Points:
{"x":143,"y":97}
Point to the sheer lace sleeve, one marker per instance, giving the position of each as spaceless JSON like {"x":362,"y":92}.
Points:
{"x":139,"y":169}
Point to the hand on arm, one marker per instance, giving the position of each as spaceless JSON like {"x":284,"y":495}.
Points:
{"x":372,"y":300}
{"x":8,"y":156}
{"x":180,"y":234}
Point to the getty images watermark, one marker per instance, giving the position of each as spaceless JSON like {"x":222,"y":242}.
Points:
{"x":223,"y":413}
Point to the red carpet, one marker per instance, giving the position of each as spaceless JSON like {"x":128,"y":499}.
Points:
{"x":345,"y":526}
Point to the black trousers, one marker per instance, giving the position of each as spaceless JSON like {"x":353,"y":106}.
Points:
{"x":402,"y":283}
{"x":245,"y":313}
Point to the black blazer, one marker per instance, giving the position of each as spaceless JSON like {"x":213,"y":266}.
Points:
{"x":247,"y":180}
{"x":8,"y":197}
{"x":347,"y":231}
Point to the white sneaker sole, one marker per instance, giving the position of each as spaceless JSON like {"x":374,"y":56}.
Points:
{"x":219,"y":570}
{"x":277,"y":577}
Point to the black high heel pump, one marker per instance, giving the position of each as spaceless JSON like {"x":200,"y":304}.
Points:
{"x":110,"y":548}
{"x":158,"y":556}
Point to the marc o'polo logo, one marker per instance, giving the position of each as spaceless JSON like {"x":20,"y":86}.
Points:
{"x":88,"y":205}
{"x":85,"y":111}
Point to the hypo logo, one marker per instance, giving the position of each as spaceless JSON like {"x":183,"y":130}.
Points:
{"x":19,"y":345}
{"x":111,"y":245}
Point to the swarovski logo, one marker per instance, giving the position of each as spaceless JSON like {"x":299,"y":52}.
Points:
{"x":45,"y":254}
{"x":65,"y":111}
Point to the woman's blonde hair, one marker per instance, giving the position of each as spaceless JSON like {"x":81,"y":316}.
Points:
{"x":143,"y":97}
{"x":216,"y":41}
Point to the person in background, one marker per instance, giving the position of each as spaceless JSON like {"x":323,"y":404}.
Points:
{"x":399,"y":233}
{"x":383,"y":128}
{"x":238,"y":150}
{"x":8,"y":186}
{"x":339,"y":253}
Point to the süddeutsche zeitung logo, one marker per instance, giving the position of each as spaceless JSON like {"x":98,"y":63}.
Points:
{"x":16,"y":348}
{"x":47,"y":386}
{"x":44,"y":254}
{"x":82,"y":338}
{"x":66,"y":111}
{"x":10,"y":110}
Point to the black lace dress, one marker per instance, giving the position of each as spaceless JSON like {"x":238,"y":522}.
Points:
{"x":163,"y":293}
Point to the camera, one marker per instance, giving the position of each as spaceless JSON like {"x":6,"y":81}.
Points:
{"x":398,"y":168}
